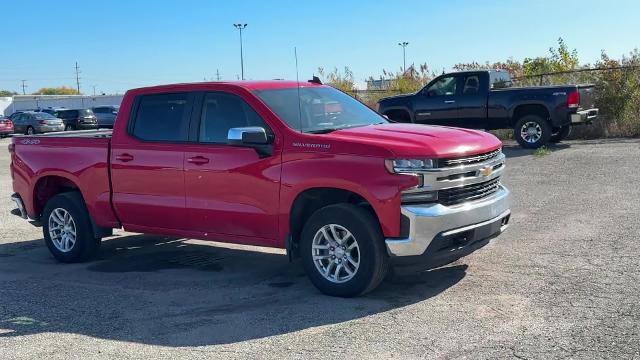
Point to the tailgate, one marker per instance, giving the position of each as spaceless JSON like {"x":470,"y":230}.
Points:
{"x":587,"y":98}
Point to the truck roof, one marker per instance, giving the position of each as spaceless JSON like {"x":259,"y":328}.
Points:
{"x":248,"y":85}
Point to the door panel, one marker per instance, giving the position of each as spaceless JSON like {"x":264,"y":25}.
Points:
{"x":436,"y":104}
{"x":234,"y":193}
{"x":472,"y":102}
{"x":148,"y":164}
{"x":231,"y":191}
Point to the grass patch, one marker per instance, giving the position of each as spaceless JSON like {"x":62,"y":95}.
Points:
{"x":542,"y":151}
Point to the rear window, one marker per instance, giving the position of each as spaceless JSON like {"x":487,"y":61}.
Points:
{"x":85,"y":112}
{"x":500,"y":79}
{"x":162,"y":117}
{"x":43,"y":116}
{"x":67,"y":113}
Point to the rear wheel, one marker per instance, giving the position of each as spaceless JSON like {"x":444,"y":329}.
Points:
{"x":343,"y":251}
{"x":67,"y":229}
{"x":30,"y":130}
{"x":562,"y":134}
{"x":532,"y":131}
{"x":69,"y":127}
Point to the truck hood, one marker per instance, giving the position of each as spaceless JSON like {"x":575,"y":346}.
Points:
{"x":412,"y":140}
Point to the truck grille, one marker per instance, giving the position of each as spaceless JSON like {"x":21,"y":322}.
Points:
{"x":443,"y":163}
{"x":468,"y":192}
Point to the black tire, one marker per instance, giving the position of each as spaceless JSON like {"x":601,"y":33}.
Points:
{"x":86,"y":245}
{"x":539,"y":123}
{"x":399,"y":116}
{"x":562,"y":134}
{"x":69,"y":128}
{"x":373,"y":258}
{"x":30,"y":130}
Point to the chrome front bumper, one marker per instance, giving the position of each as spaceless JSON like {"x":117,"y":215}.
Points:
{"x":427,"y":222}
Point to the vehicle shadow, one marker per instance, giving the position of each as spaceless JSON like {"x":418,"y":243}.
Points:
{"x":515,"y":150}
{"x":173,"y":292}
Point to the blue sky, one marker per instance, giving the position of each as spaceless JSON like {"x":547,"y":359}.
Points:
{"x":125,"y":44}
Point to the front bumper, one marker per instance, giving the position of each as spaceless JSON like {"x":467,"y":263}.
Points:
{"x":437,"y":232}
{"x":584,"y":116}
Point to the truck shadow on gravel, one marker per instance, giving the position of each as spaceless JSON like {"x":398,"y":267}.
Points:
{"x":514,"y":151}
{"x":171,"y":292}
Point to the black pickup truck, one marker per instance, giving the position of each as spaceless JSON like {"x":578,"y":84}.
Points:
{"x":486,"y":100}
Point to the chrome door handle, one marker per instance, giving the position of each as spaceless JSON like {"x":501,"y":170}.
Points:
{"x":449,"y":101}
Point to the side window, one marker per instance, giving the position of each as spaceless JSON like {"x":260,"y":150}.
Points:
{"x":223,"y":111}
{"x":99,"y":110}
{"x":163,"y":117}
{"x":445,"y":86}
{"x":471,"y":85}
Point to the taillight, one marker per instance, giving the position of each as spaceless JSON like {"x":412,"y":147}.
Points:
{"x":573,"y":100}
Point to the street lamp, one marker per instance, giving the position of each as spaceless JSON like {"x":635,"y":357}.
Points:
{"x":404,"y":55}
{"x":241,"y":27}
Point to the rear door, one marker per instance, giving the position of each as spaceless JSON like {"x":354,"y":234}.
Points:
{"x":436,"y":103}
{"x":147,"y":164}
{"x":472,"y":101}
{"x":232,"y":192}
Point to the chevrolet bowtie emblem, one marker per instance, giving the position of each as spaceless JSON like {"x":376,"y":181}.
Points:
{"x":487,"y":171}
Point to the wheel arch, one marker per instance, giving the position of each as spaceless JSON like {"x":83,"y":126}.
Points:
{"x":312,"y":199}
{"x":524,"y":109}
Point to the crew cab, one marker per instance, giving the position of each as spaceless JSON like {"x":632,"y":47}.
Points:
{"x":486,"y":100}
{"x":298,"y":166}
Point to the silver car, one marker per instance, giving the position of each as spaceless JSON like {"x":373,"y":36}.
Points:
{"x":106,"y":115}
{"x":30,"y":122}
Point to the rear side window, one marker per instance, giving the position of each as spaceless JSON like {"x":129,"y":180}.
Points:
{"x":163,"y":117}
{"x":223,"y":111}
{"x":101,"y":110}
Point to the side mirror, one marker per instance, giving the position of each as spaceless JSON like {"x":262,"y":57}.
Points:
{"x":247,"y":136}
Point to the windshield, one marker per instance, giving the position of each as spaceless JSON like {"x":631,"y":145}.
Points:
{"x":44,"y":116}
{"x":319,"y":109}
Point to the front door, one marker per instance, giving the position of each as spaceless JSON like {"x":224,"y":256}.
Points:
{"x":148,"y":164}
{"x":232,"y":192}
{"x":436,"y":103}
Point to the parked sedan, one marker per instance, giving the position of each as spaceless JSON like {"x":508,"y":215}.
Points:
{"x":106,"y":115}
{"x":30,"y":122}
{"x":6,"y":126}
{"x":78,"y":119}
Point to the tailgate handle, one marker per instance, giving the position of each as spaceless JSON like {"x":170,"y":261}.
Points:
{"x":124,"y":157}
{"x":198,"y":160}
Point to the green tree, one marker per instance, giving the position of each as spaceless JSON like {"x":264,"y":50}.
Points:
{"x":4,"y":93}
{"x":60,"y":90}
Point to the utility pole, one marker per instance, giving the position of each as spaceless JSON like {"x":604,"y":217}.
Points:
{"x":77,"y":78}
{"x":241,"y":27}
{"x":217,"y":75}
{"x":404,"y":55}
{"x":94,"y":90}
{"x":23,"y":87}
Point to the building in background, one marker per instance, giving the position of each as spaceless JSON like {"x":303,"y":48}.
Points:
{"x":381,"y":84}
{"x":9,"y":105}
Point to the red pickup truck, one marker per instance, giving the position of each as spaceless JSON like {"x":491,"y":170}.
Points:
{"x":299,"y":166}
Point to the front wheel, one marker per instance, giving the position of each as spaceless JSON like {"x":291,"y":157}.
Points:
{"x":343,"y":251}
{"x":532,"y":131}
{"x":30,"y":130}
{"x":67,"y":228}
{"x":562,"y":134}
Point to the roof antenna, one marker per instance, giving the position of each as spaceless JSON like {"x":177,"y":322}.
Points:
{"x":295,"y":53}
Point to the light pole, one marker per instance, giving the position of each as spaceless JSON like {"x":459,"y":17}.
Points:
{"x":404,"y":55}
{"x":241,"y":27}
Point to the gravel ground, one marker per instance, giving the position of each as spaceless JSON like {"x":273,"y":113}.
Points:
{"x":562,"y":282}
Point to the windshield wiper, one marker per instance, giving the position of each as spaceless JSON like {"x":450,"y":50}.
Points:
{"x":332,"y":129}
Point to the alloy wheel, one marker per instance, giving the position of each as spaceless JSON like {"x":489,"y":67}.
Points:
{"x":335,"y":252}
{"x":531,"y":132}
{"x":62,"y":230}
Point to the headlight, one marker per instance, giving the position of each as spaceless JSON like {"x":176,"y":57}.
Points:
{"x":396,"y":166}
